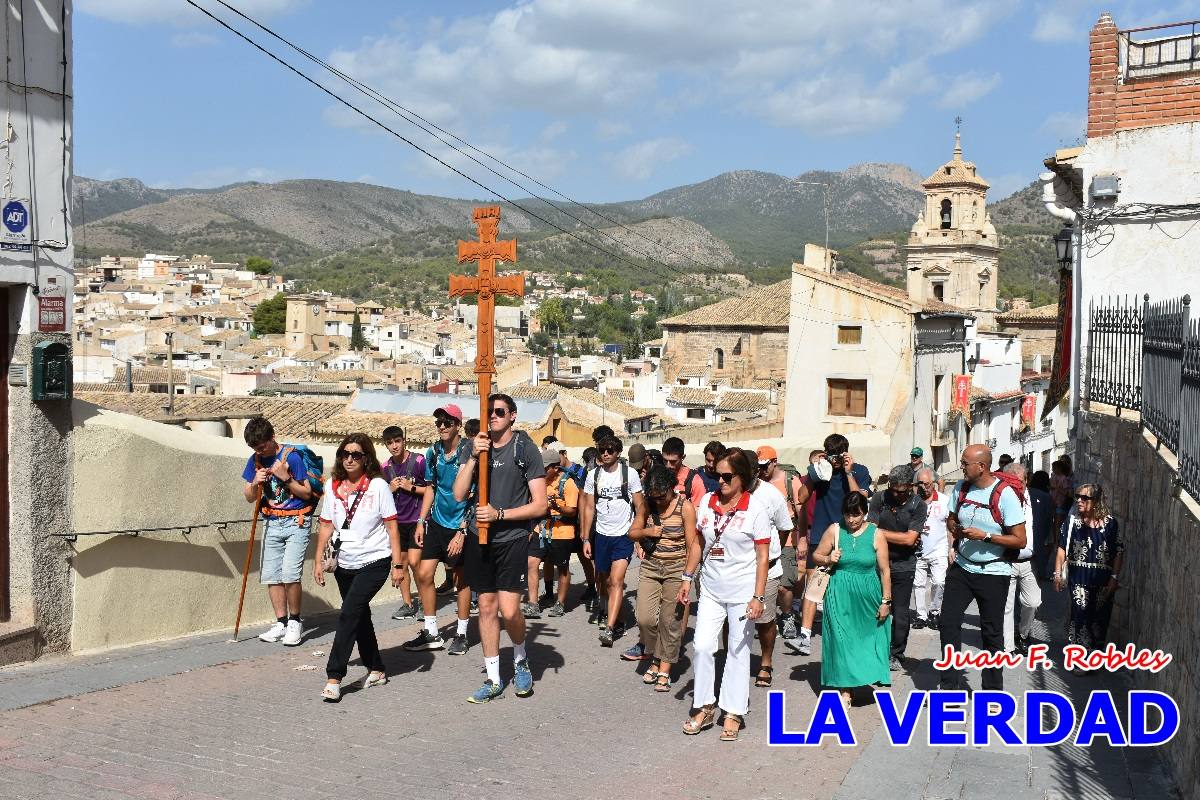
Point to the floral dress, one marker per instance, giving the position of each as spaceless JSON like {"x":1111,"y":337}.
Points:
{"x":1092,"y":550}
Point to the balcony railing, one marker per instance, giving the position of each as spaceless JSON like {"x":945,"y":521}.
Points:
{"x":1159,"y":50}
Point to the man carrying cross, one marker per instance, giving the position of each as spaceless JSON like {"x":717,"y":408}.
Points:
{"x":497,"y":550}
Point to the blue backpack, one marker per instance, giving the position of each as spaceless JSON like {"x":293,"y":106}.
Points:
{"x":577,"y":473}
{"x":314,"y":466}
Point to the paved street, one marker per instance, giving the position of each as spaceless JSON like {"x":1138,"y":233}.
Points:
{"x":202,"y":718}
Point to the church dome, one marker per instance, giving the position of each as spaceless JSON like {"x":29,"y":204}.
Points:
{"x":956,"y":172}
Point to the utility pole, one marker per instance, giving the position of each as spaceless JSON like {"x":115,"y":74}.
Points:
{"x":825,"y":195}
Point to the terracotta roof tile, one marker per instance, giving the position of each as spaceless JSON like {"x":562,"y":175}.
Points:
{"x":692,"y":396}
{"x":763,"y":306}
{"x":742,"y":401}
{"x":292,"y":419}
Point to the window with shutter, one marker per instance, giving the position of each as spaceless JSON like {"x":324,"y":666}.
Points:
{"x":847,"y":398}
{"x":849,"y":334}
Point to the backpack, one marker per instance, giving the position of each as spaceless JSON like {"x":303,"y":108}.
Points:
{"x":624,"y":480}
{"x":789,"y":473}
{"x":562,"y":481}
{"x":390,"y":473}
{"x":687,"y":483}
{"x":314,"y":467}
{"x":1004,"y":480}
{"x":577,"y":473}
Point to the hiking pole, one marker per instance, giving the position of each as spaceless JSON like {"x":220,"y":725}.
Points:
{"x":237,"y":623}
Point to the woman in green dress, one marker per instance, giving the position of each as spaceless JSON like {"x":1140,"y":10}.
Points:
{"x":856,"y":626}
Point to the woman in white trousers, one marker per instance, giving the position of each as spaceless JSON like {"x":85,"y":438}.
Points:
{"x":736,"y":530}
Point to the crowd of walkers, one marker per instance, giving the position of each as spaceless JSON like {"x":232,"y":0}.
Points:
{"x":753,"y":547}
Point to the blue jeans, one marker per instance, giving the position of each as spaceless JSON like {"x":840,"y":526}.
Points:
{"x":284,"y":546}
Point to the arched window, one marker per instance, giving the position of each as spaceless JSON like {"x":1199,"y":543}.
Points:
{"x":945,"y":214}
{"x":719,"y":358}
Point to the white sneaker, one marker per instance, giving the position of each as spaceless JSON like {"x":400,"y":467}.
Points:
{"x":294,"y":633}
{"x":273,"y":633}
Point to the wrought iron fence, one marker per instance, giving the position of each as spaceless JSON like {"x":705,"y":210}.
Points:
{"x":1146,"y":357}
{"x":1114,"y":354}
{"x":1162,"y":367}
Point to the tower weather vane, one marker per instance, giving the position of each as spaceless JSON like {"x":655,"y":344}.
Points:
{"x":486,"y":285}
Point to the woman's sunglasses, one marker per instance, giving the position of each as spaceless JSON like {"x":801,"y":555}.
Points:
{"x":726,"y":477}
{"x":353,"y":455}
{"x":1084,"y":497}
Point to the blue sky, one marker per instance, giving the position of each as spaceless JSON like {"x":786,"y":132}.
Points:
{"x":601,"y":99}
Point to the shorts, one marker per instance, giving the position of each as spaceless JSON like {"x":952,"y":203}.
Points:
{"x":496,"y":566}
{"x":608,"y":549}
{"x":559,"y":552}
{"x":408,"y":532}
{"x":791,"y":574}
{"x":437,"y":545}
{"x":769,"y":608}
{"x":537,"y":546}
{"x":284,"y":546}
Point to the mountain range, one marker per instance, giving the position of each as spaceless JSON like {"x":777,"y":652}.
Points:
{"x":749,"y":222}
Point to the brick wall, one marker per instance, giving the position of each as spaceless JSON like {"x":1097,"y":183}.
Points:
{"x":1117,"y":105}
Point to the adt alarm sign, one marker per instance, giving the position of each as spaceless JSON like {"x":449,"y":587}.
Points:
{"x":15,"y":216}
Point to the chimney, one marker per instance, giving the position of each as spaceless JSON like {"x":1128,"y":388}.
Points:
{"x":1019,"y":304}
{"x":1102,"y":78}
{"x":818,"y":258}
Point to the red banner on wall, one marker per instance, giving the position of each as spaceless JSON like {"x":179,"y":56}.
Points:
{"x":1029,"y":410}
{"x":961,"y":401}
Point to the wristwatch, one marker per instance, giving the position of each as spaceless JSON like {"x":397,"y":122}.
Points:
{"x":987,"y":537}
{"x":762,"y":598}
{"x":887,"y":602}
{"x":397,"y":566}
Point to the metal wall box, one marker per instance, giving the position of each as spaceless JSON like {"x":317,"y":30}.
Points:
{"x":51,"y":371}
{"x":1106,"y":187}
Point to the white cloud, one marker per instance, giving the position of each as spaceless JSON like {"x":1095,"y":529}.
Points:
{"x":610,"y":129}
{"x":1065,"y":125}
{"x":640,"y":160}
{"x":967,"y":88}
{"x":143,"y":12}
{"x":598,"y":56}
{"x":1056,"y":25}
{"x":553,"y":131}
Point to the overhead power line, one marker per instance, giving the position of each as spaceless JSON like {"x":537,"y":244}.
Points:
{"x":437,"y":131}
{"x":284,"y":63}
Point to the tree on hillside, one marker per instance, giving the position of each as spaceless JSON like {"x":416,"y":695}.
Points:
{"x":258,"y":265}
{"x":357,"y":340}
{"x":552,"y":315}
{"x":271,"y":315}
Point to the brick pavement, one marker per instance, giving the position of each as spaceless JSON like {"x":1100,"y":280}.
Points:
{"x":201,"y":718}
{"x":206,"y":719}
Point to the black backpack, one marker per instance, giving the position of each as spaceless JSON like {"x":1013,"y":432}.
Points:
{"x":624,"y":487}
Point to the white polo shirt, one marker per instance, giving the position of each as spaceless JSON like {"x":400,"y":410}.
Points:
{"x":730,"y":568}
{"x":366,"y":540}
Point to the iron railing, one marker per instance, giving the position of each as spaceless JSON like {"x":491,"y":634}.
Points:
{"x":1114,"y":354}
{"x":1147,"y":358}
{"x":1159,"y":50}
{"x":1162,"y":367}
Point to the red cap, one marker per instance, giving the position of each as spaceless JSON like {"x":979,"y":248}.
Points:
{"x":766,"y":453}
{"x":450,"y":410}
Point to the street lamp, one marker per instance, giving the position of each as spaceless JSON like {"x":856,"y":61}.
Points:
{"x":1062,"y":245}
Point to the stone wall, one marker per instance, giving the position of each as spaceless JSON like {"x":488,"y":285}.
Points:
{"x":691,"y":351}
{"x":137,"y":585}
{"x":1157,"y":603}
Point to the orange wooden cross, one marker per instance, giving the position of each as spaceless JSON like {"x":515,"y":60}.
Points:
{"x":486,"y":284}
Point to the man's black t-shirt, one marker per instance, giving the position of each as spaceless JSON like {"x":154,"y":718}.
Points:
{"x":910,"y":516}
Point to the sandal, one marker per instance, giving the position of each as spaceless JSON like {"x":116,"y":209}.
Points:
{"x":663,"y":683}
{"x":760,"y":681}
{"x":728,"y":735}
{"x":694,"y":726}
{"x":332,"y":692}
{"x":650,"y":677}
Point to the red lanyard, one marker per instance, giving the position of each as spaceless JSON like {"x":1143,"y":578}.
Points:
{"x":359,"y":489}
{"x":722,"y":519}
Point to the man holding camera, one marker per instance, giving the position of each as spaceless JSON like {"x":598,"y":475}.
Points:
{"x":831,"y":477}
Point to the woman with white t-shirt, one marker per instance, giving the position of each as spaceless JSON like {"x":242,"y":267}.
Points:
{"x":736,"y":530}
{"x":359,"y":512}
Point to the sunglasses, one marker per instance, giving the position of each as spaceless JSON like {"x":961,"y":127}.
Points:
{"x":499,"y":411}
{"x":608,"y":451}
{"x":353,"y":455}
{"x":726,"y":477}
{"x":445,"y":423}
{"x":1084,"y":497}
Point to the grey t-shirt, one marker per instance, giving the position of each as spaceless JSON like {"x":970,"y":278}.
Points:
{"x":508,"y":486}
{"x":908,"y":517}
